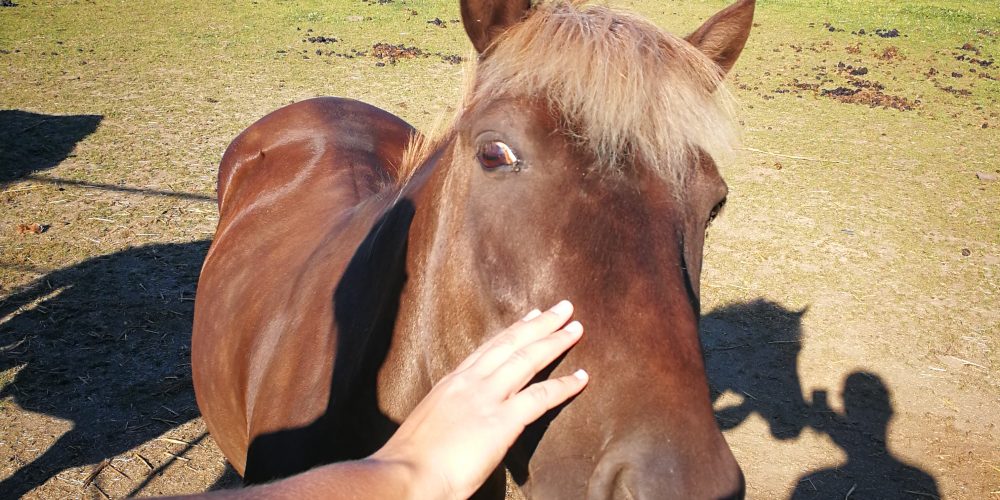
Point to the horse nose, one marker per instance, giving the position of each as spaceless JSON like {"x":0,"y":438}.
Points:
{"x":665,"y":474}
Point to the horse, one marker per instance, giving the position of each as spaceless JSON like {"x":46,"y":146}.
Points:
{"x":357,"y":261}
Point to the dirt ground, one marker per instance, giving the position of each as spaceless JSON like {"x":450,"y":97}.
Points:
{"x":851,"y":290}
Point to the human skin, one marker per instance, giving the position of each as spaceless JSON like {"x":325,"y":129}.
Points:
{"x":459,"y":433}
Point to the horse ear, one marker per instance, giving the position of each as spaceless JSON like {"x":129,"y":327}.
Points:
{"x":723,"y":36}
{"x":484,"y":20}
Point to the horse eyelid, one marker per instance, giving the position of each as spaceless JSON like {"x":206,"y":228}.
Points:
{"x":509,"y":157}
{"x":716,"y":211}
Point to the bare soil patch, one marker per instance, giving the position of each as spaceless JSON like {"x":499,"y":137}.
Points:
{"x":872,"y":97}
{"x":857,"y":90}
{"x":394,"y":53}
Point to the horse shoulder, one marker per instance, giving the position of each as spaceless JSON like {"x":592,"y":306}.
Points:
{"x":288,"y":187}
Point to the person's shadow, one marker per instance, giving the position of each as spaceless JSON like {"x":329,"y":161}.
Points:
{"x":870,"y":471}
{"x":752,"y":350}
{"x":31,"y":142}
{"x":105,"y":345}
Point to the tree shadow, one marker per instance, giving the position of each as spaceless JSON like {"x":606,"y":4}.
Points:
{"x":752,"y":350}
{"x":31,"y":142}
{"x":104,"y":344}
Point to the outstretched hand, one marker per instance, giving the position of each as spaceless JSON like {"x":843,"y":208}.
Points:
{"x":461,"y":430}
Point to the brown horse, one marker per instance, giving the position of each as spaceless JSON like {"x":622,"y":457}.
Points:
{"x":357,"y":262}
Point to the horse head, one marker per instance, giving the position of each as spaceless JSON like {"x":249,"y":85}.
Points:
{"x":581,"y":166}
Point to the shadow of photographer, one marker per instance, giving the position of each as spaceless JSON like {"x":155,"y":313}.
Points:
{"x":752,"y":350}
{"x":871,"y":471}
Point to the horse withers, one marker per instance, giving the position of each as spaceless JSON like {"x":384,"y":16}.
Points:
{"x":356,"y":262}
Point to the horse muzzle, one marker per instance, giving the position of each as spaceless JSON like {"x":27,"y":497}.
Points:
{"x":625,"y":473}
{"x":640,"y":470}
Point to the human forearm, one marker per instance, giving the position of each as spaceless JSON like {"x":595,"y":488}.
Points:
{"x":359,"y":479}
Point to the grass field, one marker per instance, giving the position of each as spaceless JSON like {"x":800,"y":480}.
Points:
{"x":851,"y":292}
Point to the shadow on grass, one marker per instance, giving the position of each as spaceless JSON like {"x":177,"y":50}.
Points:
{"x":31,"y":142}
{"x":752,"y":350}
{"x":120,"y":189}
{"x":105,"y":345}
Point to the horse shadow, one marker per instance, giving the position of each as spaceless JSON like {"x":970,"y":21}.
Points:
{"x":752,"y":350}
{"x":105,"y":345}
{"x":31,"y":142}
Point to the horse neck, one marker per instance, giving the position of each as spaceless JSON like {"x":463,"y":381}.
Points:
{"x":431,"y":332}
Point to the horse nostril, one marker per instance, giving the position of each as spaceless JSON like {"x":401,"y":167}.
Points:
{"x":740,"y":489}
{"x":619,"y":486}
{"x":638,"y":479}
{"x":609,"y":482}
{"x":640,"y":466}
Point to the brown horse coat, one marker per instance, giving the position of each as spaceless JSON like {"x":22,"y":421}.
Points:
{"x":343,"y":281}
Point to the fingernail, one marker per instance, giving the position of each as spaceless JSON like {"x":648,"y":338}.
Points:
{"x":574,"y":327}
{"x":563,"y":308}
{"x":532,"y":315}
{"x":581,"y":374}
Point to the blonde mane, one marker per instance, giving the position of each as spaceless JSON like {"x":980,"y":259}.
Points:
{"x":626,"y":90}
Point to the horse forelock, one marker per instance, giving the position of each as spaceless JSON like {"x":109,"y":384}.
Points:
{"x":625,"y":90}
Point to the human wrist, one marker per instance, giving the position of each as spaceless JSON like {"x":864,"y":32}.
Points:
{"x":400,"y":469}
{"x":416,"y":482}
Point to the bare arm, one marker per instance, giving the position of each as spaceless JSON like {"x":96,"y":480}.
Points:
{"x":358,"y":479}
{"x":459,"y":433}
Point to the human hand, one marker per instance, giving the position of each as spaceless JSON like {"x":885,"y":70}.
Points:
{"x":462,"y":429}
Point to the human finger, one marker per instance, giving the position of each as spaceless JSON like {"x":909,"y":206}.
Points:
{"x":534,"y":313}
{"x":528,"y":405}
{"x":518,"y":335}
{"x":523,"y":364}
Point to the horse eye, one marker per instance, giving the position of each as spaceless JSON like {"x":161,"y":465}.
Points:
{"x":716,"y":210}
{"x":495,"y":154}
